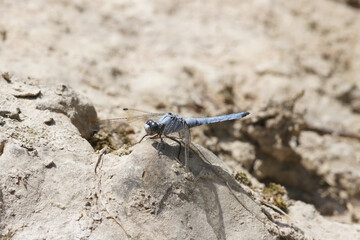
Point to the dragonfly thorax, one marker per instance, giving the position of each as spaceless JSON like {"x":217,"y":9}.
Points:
{"x":151,"y":127}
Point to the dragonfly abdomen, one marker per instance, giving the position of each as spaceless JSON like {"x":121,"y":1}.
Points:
{"x":193,"y":122}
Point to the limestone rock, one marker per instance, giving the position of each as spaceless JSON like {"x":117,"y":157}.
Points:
{"x":54,"y":186}
{"x":151,"y":189}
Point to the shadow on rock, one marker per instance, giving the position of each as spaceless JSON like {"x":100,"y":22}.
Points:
{"x":151,"y":188}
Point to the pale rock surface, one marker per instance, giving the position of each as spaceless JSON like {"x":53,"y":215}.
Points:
{"x":313,"y":224}
{"x":54,"y":186}
{"x":45,"y":176}
{"x":152,"y":190}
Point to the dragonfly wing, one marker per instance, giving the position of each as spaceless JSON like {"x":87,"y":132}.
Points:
{"x":187,"y":140}
{"x":136,"y":118}
{"x":133,"y":115}
{"x":134,"y":111}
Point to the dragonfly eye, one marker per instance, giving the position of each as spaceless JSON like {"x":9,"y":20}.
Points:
{"x":151,"y":127}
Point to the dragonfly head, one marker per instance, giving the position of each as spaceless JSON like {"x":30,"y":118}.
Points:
{"x":151,"y":127}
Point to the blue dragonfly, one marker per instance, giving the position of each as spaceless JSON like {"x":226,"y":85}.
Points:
{"x":160,"y":125}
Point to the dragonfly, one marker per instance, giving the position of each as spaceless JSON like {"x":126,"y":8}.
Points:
{"x":163,"y":125}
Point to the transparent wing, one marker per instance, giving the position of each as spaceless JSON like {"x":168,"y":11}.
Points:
{"x":185,"y":133}
{"x":134,"y":117}
{"x":116,"y":132}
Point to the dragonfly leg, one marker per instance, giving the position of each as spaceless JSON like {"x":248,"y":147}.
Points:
{"x":158,"y":135}
{"x":151,"y":137}
{"x":175,"y":140}
{"x":143,"y":138}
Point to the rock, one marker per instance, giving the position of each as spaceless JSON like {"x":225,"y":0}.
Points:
{"x":352,"y":3}
{"x":2,"y":145}
{"x":25,"y":91}
{"x":316,"y":65}
{"x":52,"y":184}
{"x":9,"y":107}
{"x":333,"y":159}
{"x":6,"y":76}
{"x":242,"y":153}
{"x":62,"y":99}
{"x":152,"y":189}
{"x":348,"y":94}
{"x":45,"y":172}
{"x":313,"y":224}
{"x":275,"y":127}
{"x":274,"y":68}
